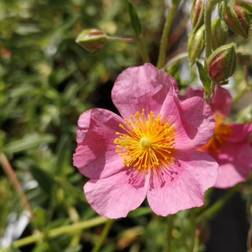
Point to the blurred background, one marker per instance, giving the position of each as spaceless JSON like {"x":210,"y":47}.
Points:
{"x":46,"y":81}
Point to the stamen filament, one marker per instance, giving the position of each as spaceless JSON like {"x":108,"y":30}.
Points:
{"x":145,"y":142}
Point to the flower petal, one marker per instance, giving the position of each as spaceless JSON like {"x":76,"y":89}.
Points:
{"x":198,"y":119}
{"x":222,"y":101}
{"x":240,"y":132}
{"x":115,"y":196}
{"x":141,"y":87}
{"x":190,"y":92}
{"x":192,"y":119}
{"x":182,"y":186}
{"x":235,"y":164}
{"x":95,"y":155}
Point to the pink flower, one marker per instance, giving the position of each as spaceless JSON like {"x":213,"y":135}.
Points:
{"x":148,"y":152}
{"x":230,"y":144}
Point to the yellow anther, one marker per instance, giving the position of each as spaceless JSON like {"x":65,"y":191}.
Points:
{"x":222,"y":132}
{"x":145,"y":142}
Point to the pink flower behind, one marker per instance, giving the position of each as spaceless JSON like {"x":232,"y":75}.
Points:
{"x":230,"y":144}
{"x":151,"y":151}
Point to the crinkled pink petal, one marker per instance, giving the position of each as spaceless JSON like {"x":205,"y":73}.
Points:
{"x":117,"y":195}
{"x":182,"y":186}
{"x":198,"y":119}
{"x":95,"y":155}
{"x":192,"y":119}
{"x":240,"y":132}
{"x":142,"y":87}
{"x":190,"y":92}
{"x":221,"y":102}
{"x":228,"y":176}
{"x":235,"y":164}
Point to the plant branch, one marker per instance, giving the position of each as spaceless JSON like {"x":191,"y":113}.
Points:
{"x":166,"y":35}
{"x":103,"y":236}
{"x":213,"y":210}
{"x":15,"y":182}
{"x":68,"y":229}
{"x":168,"y":234}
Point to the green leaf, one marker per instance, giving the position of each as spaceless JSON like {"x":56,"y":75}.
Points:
{"x":204,"y":77}
{"x":46,"y":182}
{"x":135,"y":21}
{"x":28,"y":142}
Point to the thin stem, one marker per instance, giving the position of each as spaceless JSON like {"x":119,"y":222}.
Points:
{"x":213,"y":210}
{"x":196,"y":241}
{"x":208,"y":31}
{"x":165,"y":36}
{"x":168,"y":234}
{"x":74,"y":217}
{"x":72,"y":229}
{"x":240,"y":94}
{"x":176,"y":59}
{"x":68,"y":229}
{"x":246,"y":87}
{"x":15,"y":182}
{"x":103,"y":236}
{"x":121,"y":39}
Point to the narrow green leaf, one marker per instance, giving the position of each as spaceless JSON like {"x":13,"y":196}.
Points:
{"x":135,"y":21}
{"x":28,"y":142}
{"x":46,"y":182}
{"x":204,"y":77}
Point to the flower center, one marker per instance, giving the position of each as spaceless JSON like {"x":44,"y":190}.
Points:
{"x":222,"y":132}
{"x":145,"y":142}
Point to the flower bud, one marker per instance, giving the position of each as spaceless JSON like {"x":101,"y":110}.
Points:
{"x":246,"y":4}
{"x":197,"y":13}
{"x":236,"y":18}
{"x":221,"y":63}
{"x":196,"y":44}
{"x":91,"y":39}
{"x":219,"y":33}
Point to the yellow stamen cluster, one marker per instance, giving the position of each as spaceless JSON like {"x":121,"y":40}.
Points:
{"x":145,"y":142}
{"x":221,"y":133}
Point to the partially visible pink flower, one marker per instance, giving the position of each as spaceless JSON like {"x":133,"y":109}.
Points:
{"x":151,"y":151}
{"x":230,"y":144}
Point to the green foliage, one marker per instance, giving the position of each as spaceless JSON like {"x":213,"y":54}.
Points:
{"x":46,"y":81}
{"x":135,"y":22}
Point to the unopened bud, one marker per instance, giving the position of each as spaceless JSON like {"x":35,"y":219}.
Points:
{"x":219,"y":33}
{"x":246,"y":4}
{"x":221,"y":63}
{"x":196,"y":44}
{"x":236,"y":18}
{"x":197,"y":14}
{"x":91,"y":39}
